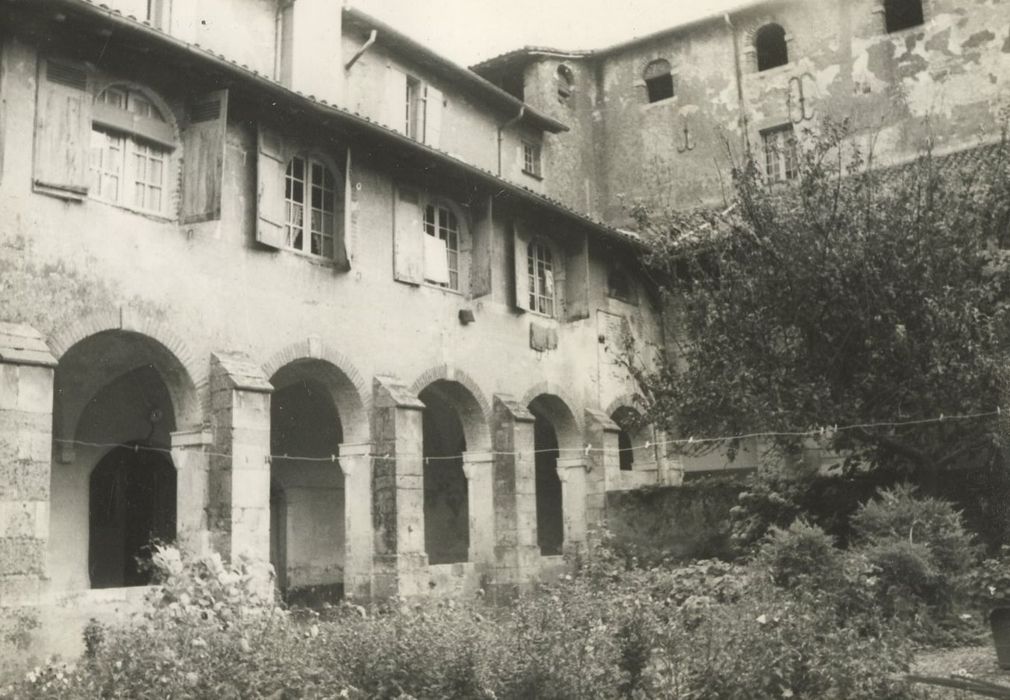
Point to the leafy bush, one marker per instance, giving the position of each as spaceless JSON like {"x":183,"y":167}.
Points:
{"x":800,"y":555}
{"x":709,"y":630}
{"x":989,"y":582}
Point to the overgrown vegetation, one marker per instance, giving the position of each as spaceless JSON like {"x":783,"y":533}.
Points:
{"x":800,"y":618}
{"x":862,"y":298}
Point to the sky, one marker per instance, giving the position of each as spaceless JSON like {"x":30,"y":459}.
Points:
{"x":468,"y":31}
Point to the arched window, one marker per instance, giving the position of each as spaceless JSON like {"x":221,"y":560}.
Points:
{"x":310,"y":197}
{"x":566,"y":82}
{"x":441,"y":223}
{"x":541,"y":277}
{"x":770,"y":45}
{"x":658,"y":80}
{"x":902,"y":14}
{"x":131,"y":144}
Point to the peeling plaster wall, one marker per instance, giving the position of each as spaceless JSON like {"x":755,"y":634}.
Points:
{"x":944,"y":80}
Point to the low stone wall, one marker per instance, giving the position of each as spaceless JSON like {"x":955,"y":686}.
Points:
{"x":685,"y":522}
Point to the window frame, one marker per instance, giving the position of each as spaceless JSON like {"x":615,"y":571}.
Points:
{"x":439,"y":205}
{"x":532,"y":163}
{"x":309,"y":159}
{"x":786,"y":155}
{"x":540,"y":254}
{"x":154,"y":139}
{"x":415,"y":109}
{"x":565,"y":78}
{"x":657,"y":86}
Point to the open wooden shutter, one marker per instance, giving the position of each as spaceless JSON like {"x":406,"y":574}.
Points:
{"x":270,"y":166}
{"x":203,"y":153}
{"x":408,"y":237}
{"x":340,"y":256}
{"x":394,"y":103}
{"x":433,"y":116}
{"x":520,"y":246}
{"x":577,"y":281}
{"x":62,"y":130}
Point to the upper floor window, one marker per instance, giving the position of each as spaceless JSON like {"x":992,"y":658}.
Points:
{"x":130,"y":150}
{"x":566,"y":82}
{"x":619,"y":283}
{"x":310,"y":198}
{"x":540,"y":267}
{"x":531,"y":159}
{"x":414,"y":111}
{"x":441,"y":253}
{"x":770,"y":46}
{"x":781,"y":161}
{"x":902,"y":14}
{"x":658,"y":80}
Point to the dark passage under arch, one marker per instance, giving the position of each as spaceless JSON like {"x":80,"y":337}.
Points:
{"x":132,"y":502}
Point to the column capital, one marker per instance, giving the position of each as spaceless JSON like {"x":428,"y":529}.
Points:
{"x":598,"y":419}
{"x":21,"y":344}
{"x":192,"y":438}
{"x":240,"y":372}
{"x":391,"y":393}
{"x":565,"y":466}
{"x":474,"y":461}
{"x":512,"y":408}
{"x":353,"y":456}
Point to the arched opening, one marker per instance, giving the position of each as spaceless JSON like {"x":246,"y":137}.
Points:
{"x":902,"y":14}
{"x":307,"y":487}
{"x":634,"y":440}
{"x":771,"y":48}
{"x":550,"y":511}
{"x":446,"y":495}
{"x":118,"y":398}
{"x":658,"y":78}
{"x":566,"y":82}
{"x":555,"y":435}
{"x":132,"y":505}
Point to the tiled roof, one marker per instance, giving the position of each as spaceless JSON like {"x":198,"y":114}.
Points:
{"x":349,"y":118}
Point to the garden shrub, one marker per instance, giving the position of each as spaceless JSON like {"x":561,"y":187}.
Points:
{"x":800,"y":555}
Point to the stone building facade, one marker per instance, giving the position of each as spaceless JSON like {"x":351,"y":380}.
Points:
{"x":661,"y":119}
{"x":276,"y":281}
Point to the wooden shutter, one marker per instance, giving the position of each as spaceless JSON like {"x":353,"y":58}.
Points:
{"x":62,"y":130}
{"x":394,"y":103}
{"x":271,"y":164}
{"x":436,"y":260}
{"x":520,"y":247}
{"x":433,"y":116}
{"x":577,"y":281}
{"x":340,"y":256}
{"x":203,"y":144}
{"x":408,"y":241}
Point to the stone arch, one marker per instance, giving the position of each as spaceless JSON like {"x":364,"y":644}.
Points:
{"x":311,"y":359}
{"x":625,"y":400}
{"x":636,"y":439}
{"x":460,"y":390}
{"x":190,"y":393}
{"x":560,"y":398}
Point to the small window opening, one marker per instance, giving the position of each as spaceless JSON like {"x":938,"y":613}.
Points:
{"x":770,"y":44}
{"x":415,"y":109}
{"x":531,"y":159}
{"x":781,"y":161}
{"x":541,"y":278}
{"x":566,"y":83}
{"x":626,"y":451}
{"x":658,"y":80}
{"x":619,"y":284}
{"x":902,"y":14}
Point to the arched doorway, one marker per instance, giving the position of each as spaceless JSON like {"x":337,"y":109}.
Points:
{"x":132,"y":504}
{"x":446,"y":497}
{"x":555,"y":435}
{"x":307,"y":489}
{"x":118,"y":395}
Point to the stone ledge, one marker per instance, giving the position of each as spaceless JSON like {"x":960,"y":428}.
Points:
{"x":21,"y":344}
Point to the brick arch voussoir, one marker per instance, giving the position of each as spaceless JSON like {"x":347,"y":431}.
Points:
{"x":558,"y":391}
{"x":304,"y":350}
{"x":162,"y":333}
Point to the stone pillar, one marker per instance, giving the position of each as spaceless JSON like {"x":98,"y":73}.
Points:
{"x":603,"y":465}
{"x":400,"y":563}
{"x":239,"y":483}
{"x":516,"y":552}
{"x":572,"y":473}
{"x":192,"y":465}
{"x":26,"y":445}
{"x":478,"y":467}
{"x":356,"y":463}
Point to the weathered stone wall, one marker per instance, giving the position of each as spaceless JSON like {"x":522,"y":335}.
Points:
{"x":944,"y":80}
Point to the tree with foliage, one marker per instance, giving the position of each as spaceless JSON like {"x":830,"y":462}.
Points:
{"x":860,"y":297}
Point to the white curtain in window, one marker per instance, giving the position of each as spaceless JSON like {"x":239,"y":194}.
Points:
{"x":436,"y":260}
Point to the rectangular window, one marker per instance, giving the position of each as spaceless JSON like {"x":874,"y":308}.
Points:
{"x":531,"y":159}
{"x":106,"y":165}
{"x":148,"y":177}
{"x":781,"y":161}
